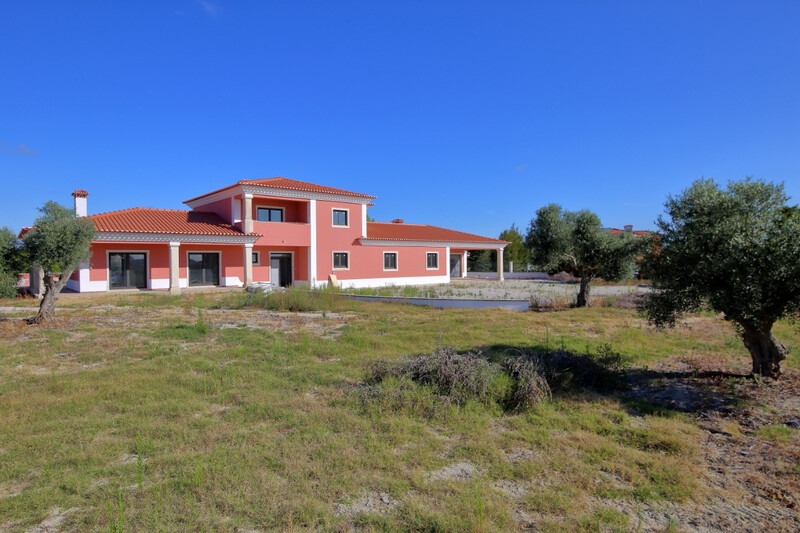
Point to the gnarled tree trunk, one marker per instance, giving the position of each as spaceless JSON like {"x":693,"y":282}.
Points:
{"x":52,"y":289}
{"x":767,"y":351}
{"x":583,"y":293}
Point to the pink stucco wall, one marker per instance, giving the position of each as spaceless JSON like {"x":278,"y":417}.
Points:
{"x":157,"y":258}
{"x":220,"y":207}
{"x":366,"y":262}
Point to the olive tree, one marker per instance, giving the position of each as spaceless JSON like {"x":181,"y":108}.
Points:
{"x":516,"y":252}
{"x":574,"y":241}
{"x":735,"y":250}
{"x":57,"y":244}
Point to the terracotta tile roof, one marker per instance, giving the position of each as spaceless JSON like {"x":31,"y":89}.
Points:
{"x":638,"y":233}
{"x":172,"y":221}
{"x":422,"y":232}
{"x":286,"y":183}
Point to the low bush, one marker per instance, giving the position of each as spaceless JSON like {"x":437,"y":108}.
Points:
{"x":461,"y":377}
{"x":563,"y":277}
{"x":516,"y":384}
{"x":530,"y":386}
{"x":8,"y":284}
{"x":540,"y":302}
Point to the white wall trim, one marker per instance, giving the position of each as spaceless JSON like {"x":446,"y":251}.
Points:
{"x":279,"y":193}
{"x":433,"y":244}
{"x":364,"y":221}
{"x":159,"y":283}
{"x":236,"y":210}
{"x":85,"y":283}
{"x":306,"y":195}
{"x":388,"y":282}
{"x":230,"y":281}
{"x":312,"y":249}
{"x":170,"y":237}
{"x":227,"y":192}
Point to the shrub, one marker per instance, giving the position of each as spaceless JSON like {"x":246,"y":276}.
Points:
{"x":540,"y":302}
{"x":520,"y":382}
{"x":530,"y":387}
{"x":8,"y":284}
{"x":459,"y":376}
{"x":563,"y":277}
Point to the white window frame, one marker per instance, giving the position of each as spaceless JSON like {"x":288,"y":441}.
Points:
{"x":426,"y":260}
{"x":256,"y":258}
{"x":281,"y":209}
{"x":333,"y":218}
{"x":396,"y":261}
{"x":333,"y":263}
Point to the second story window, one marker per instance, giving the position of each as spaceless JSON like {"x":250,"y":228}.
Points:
{"x":269,"y":214}
{"x":340,"y":217}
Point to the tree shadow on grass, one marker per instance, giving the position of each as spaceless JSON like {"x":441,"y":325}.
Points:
{"x":665,"y":389}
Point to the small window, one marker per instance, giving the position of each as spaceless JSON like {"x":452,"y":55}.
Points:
{"x":269,"y":214}
{"x":340,"y":217}
{"x":390,"y":260}
{"x":341,"y":260}
{"x":256,"y":258}
{"x":432,"y":261}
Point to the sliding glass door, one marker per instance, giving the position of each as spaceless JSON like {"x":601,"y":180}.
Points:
{"x":203,"y":269}
{"x":127,"y":270}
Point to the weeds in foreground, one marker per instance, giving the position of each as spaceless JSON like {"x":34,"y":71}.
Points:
{"x":517,"y":383}
{"x":116,"y":515}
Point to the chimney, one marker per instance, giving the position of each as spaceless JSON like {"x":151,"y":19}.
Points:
{"x":397,"y":221}
{"x":628,"y":228}
{"x":80,"y":202}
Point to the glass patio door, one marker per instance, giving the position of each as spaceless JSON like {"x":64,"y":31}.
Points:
{"x":203,"y":269}
{"x":127,"y":270}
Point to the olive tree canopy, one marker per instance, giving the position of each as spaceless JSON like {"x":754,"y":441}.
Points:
{"x":57,"y":244}
{"x":736,"y":250}
{"x":575,"y":242}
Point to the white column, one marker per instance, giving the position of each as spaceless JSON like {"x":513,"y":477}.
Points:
{"x":248,"y":213}
{"x":464,"y":265}
{"x":500,"y":264}
{"x":364,"y":221}
{"x":447,"y":263}
{"x":312,"y":249}
{"x":174,"y":264}
{"x":248,"y":264}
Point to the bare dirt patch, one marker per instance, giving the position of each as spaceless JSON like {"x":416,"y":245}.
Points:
{"x":53,"y":521}
{"x":372,"y":502}
{"x":754,"y":480}
{"x":457,"y":472}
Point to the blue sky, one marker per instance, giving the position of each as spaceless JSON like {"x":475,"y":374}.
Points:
{"x":468,"y":115}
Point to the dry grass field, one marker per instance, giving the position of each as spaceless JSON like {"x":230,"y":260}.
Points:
{"x":222,"y":412}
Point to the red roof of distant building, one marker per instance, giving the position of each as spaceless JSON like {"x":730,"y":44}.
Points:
{"x":392,"y":231}
{"x":172,"y":221}
{"x":638,"y":233}
{"x":288,"y":184}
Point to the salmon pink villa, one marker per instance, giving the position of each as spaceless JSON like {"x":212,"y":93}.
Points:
{"x":278,"y":231}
